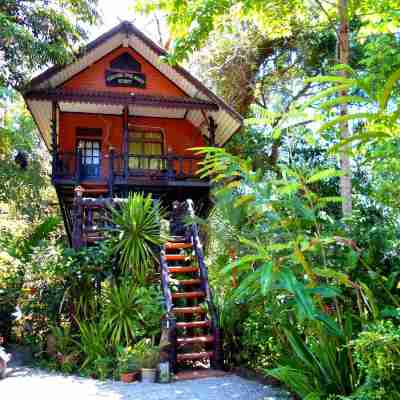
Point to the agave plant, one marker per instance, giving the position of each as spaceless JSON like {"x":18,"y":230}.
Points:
{"x":138,"y":234}
{"x":131,"y":312}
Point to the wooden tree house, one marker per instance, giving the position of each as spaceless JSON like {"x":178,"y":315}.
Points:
{"x":119,"y":119}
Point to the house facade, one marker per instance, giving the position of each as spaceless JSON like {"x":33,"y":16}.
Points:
{"x":120,"y":119}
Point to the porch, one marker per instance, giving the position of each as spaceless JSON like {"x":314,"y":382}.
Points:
{"x":116,"y":169}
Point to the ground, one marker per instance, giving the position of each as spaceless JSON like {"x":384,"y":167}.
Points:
{"x":27,"y":383}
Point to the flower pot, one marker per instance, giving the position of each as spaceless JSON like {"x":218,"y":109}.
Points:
{"x":128,"y":377}
{"x":148,"y":375}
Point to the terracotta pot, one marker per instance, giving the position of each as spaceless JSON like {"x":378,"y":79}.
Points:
{"x":128,"y":377}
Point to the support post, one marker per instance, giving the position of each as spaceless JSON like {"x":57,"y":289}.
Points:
{"x":212,"y":128}
{"x":54,"y":144}
{"x":111,"y":173}
{"x":77,"y":241}
{"x":125,"y":147}
{"x":78,"y":166}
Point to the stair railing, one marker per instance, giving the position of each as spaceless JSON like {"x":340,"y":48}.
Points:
{"x":170,"y":319}
{"x":198,"y":249}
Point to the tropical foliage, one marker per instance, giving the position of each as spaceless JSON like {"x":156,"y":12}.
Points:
{"x":303,"y":294}
{"x":137,"y":234}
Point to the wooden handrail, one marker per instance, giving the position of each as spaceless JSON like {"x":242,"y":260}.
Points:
{"x":170,"y":166}
{"x":198,"y":248}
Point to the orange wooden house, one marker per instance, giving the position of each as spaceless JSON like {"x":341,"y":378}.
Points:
{"x":119,"y":119}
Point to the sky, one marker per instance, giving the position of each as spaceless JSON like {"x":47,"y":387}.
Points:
{"x":115,"y":11}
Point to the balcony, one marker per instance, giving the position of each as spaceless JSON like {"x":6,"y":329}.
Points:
{"x":115,"y":169}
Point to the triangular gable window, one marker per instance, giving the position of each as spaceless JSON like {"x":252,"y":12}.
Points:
{"x":125,"y":71}
{"x":126,"y":62}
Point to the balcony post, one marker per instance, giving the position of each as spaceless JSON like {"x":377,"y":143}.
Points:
{"x":125,"y":147}
{"x":77,"y":240}
{"x":111,"y":173}
{"x":78,"y":165}
{"x":54,"y":146}
{"x":170,"y":167}
{"x":212,"y":127}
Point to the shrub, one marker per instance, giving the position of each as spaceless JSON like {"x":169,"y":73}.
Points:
{"x":132,"y":312}
{"x":11,"y":281}
{"x":138,"y":235}
{"x":377,"y":354}
{"x":261,"y":347}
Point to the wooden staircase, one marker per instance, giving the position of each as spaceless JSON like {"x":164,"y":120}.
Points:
{"x":196,"y":339}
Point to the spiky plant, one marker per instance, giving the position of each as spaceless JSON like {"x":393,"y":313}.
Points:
{"x":138,"y":223}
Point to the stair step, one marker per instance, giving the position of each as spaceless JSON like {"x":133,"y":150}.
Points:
{"x":193,"y":324}
{"x":182,"y":270}
{"x":195,"y":339}
{"x":189,"y":310}
{"x":188,"y":295}
{"x":175,"y":239}
{"x":178,"y":245}
{"x":195,"y":356}
{"x":176,"y":257}
{"x":188,"y":282}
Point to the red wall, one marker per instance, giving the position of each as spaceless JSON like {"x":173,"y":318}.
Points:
{"x":179,"y":134}
{"x":93,"y":78}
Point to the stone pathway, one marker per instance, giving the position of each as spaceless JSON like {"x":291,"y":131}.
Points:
{"x":26,"y":383}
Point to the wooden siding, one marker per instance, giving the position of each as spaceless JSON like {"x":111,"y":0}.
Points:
{"x":179,"y":134}
{"x":93,"y":77}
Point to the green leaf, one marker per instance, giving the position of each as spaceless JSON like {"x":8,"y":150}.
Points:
{"x":325,"y":174}
{"x":344,"y":118}
{"x":387,"y":89}
{"x":330,"y":324}
{"x":267,"y":277}
{"x":244,"y":199}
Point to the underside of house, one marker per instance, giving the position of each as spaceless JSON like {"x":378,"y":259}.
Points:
{"x":117,"y":120}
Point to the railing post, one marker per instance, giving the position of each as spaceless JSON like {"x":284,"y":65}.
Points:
{"x":181,"y":170}
{"x":111,"y":172}
{"x":126,"y":161}
{"x":170,"y":167}
{"x":78,"y":166}
{"x":125,"y":146}
{"x":77,"y":219}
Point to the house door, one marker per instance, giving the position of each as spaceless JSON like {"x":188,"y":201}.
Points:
{"x":90,"y":158}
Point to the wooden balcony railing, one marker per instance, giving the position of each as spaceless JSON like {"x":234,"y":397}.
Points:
{"x":124,"y":167}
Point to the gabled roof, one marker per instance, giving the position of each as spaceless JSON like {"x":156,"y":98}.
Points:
{"x":197,"y":101}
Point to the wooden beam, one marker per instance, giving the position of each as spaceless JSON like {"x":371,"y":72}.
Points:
{"x":125,"y":147}
{"x":54,"y":144}
{"x":212,"y":128}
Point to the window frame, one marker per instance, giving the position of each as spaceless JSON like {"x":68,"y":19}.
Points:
{"x":143,"y":130}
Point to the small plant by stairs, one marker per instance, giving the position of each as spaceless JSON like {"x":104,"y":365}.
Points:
{"x":195,"y":336}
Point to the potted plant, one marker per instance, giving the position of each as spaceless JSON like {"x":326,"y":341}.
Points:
{"x":149,"y":364}
{"x":128,"y":367}
{"x":148,"y":357}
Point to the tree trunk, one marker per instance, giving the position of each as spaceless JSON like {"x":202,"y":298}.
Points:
{"x":343,"y":58}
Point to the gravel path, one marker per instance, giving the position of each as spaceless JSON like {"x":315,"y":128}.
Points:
{"x":25,"y":383}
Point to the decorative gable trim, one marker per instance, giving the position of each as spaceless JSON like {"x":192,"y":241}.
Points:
{"x":227,"y":119}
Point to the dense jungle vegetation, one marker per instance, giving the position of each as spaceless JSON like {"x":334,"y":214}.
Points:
{"x":303,"y":239}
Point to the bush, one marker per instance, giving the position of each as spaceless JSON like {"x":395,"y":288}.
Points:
{"x":377,"y":354}
{"x":132,"y":312}
{"x":261,"y":347}
{"x":11,"y":281}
